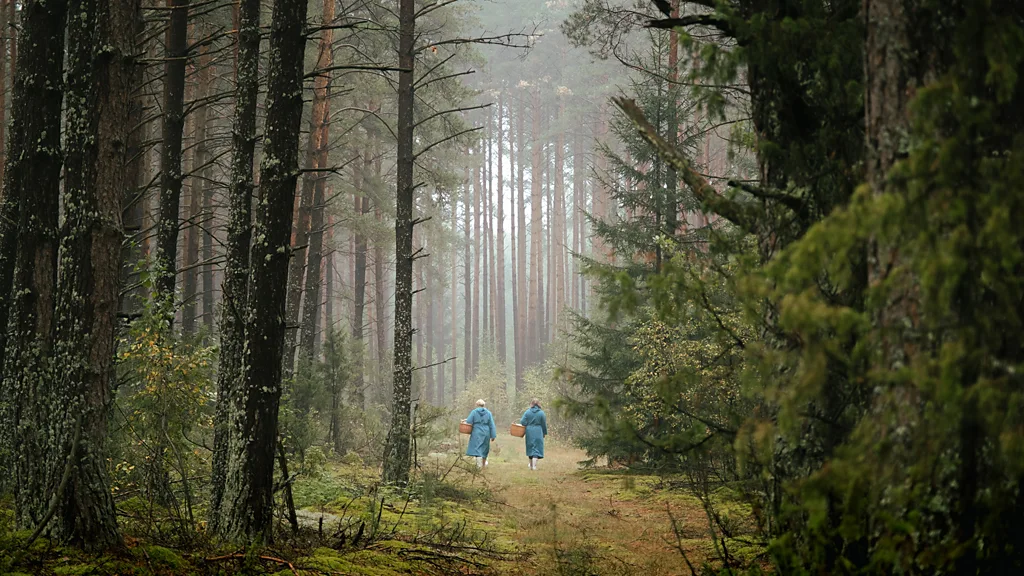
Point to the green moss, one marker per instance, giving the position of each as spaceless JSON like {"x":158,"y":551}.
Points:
{"x":75,"y":570}
{"x":160,"y":557}
{"x":382,"y":562}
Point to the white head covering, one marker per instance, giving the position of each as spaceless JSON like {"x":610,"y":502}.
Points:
{"x":481,"y":403}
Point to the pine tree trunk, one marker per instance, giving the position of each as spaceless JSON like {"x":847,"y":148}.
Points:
{"x":320,"y":123}
{"x":176,"y":54}
{"x":427,"y":282}
{"x":545,"y":278}
{"x":380,"y":298}
{"x":492,"y":278}
{"x":3,"y":86}
{"x":516,"y":347}
{"x":535,"y":308}
{"x":484,"y":247}
{"x":522,"y":348}
{"x":398,"y":457}
{"x":204,"y":164}
{"x":329,"y":272}
{"x":300,"y":246}
{"x":475,"y":335}
{"x":455,"y":298}
{"x":417,"y":310}
{"x":500,"y":262}
{"x":31,"y":192}
{"x":234,"y":291}
{"x":467,"y":333}
{"x":361,"y":208}
{"x":600,"y":193}
{"x":578,"y":200}
{"x":247,"y":506}
{"x":196,"y":193}
{"x":133,"y":204}
{"x":558,"y":232}
{"x":101,"y":69}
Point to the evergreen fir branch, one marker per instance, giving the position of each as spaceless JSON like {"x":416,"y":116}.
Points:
{"x":731,"y":210}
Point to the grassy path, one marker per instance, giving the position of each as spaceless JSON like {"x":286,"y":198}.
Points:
{"x":573,"y":521}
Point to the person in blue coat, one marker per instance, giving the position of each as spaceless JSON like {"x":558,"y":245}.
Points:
{"x":536,"y":423}
{"x":483,"y":429}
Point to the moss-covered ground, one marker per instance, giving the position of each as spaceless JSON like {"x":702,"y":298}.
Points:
{"x":504,"y":520}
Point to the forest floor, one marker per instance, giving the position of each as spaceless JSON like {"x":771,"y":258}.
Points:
{"x":569,"y":520}
{"x":560,"y":519}
{"x":563,"y":519}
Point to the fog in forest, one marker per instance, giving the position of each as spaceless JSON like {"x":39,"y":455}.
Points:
{"x":492,"y":287}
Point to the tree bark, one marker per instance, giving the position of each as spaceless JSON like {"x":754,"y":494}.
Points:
{"x":133,"y":207}
{"x":204,"y":163}
{"x":427,"y":282}
{"x":380,"y":298}
{"x":558,"y":232}
{"x":483,"y":246}
{"x":321,"y":120}
{"x":176,"y":55}
{"x":234,"y":291}
{"x":513,"y":255}
{"x":101,"y":69}
{"x":31,"y":193}
{"x":535,"y":310}
{"x":500,"y":245}
{"x":455,"y":296}
{"x":300,"y":246}
{"x":362,"y":207}
{"x":196,"y":193}
{"x":247,"y":506}
{"x":522,"y":352}
{"x":3,"y":86}
{"x":467,"y":333}
{"x":476,"y":245}
{"x":578,"y":200}
{"x":492,"y":277}
{"x":397,"y":458}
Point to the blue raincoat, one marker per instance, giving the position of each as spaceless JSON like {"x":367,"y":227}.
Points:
{"x":484,"y":431}
{"x":536,"y":423}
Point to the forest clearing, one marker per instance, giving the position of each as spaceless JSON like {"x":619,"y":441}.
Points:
{"x":709,"y":287}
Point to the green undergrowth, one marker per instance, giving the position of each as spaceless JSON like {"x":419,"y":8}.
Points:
{"x":451,"y":519}
{"x":350,"y":524}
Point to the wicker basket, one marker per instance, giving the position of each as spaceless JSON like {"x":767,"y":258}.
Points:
{"x":518,"y":430}
{"x":465,"y":427}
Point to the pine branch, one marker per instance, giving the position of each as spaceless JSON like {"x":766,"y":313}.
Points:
{"x":791,"y":202}
{"x":709,"y":20}
{"x":735,"y":212}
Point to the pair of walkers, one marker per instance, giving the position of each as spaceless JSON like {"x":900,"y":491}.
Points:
{"x":484,"y":432}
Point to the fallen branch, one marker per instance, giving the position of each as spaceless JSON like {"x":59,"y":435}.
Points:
{"x":239,"y":556}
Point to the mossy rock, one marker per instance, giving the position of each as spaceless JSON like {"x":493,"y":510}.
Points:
{"x":161,"y":558}
{"x":352,"y":459}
